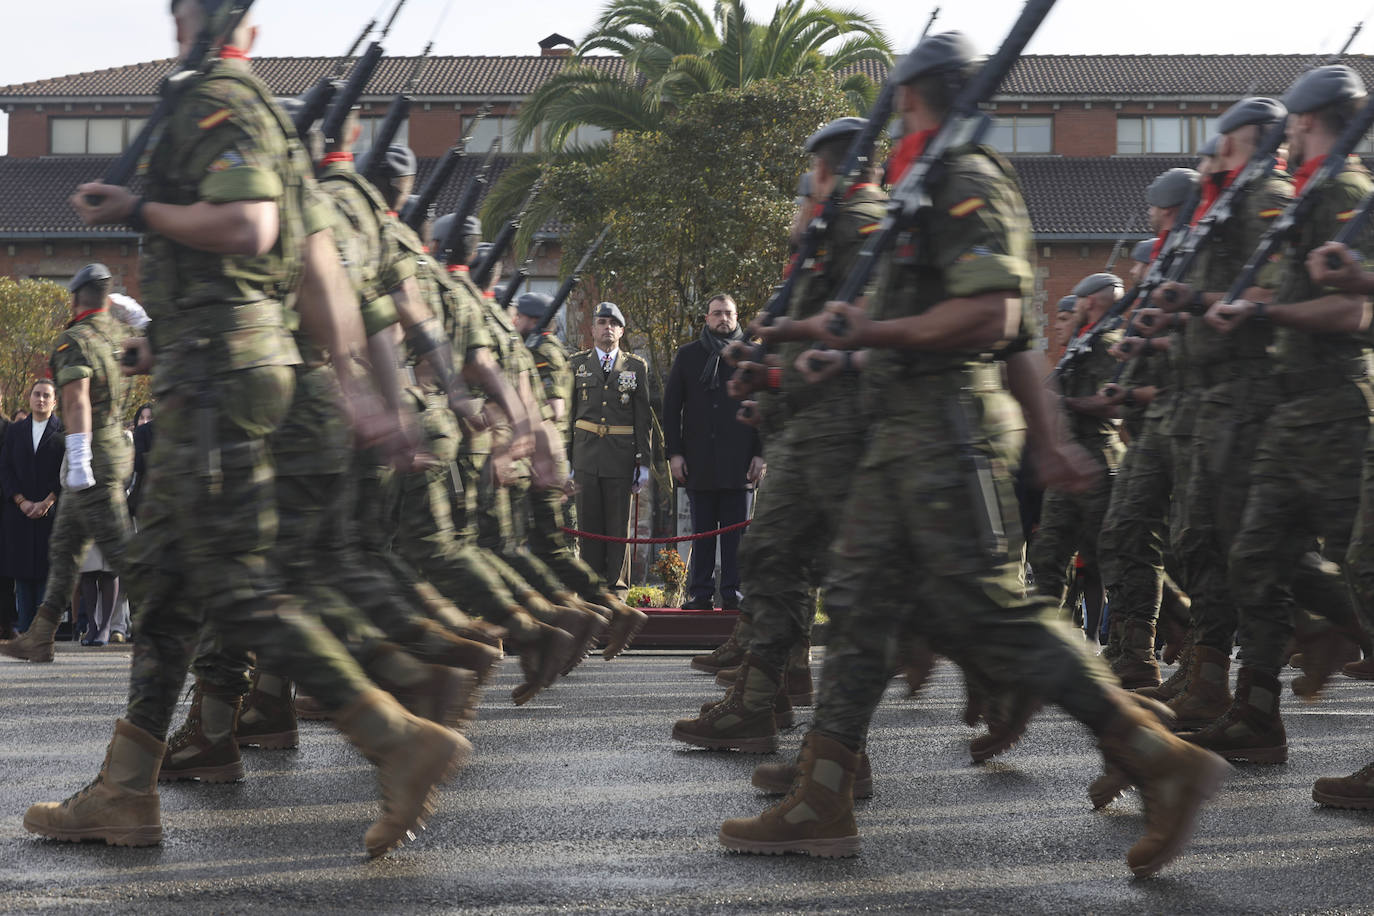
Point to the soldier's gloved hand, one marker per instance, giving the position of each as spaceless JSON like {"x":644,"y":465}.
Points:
{"x":1171,"y":296}
{"x":1348,"y":277}
{"x":1152,"y":322}
{"x":79,"y":474}
{"x":641,"y":478}
{"x":1128,"y":347}
{"x":127,"y":311}
{"x":819,"y":365}
{"x":1227,"y":316}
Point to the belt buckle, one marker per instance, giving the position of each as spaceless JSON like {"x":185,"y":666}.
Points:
{"x":603,"y":430}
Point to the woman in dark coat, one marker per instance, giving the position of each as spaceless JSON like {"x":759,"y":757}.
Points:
{"x":29,"y":480}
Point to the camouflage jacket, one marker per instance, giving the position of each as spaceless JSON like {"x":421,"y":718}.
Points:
{"x":90,"y":348}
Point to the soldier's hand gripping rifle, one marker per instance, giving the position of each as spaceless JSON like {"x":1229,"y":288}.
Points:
{"x":965,"y":124}
{"x":199,"y":59}
{"x":318,"y":99}
{"x":467,"y":204}
{"x":420,"y":208}
{"x":565,"y":290}
{"x":358,"y":77}
{"x":1298,"y":209}
{"x":481,"y":272}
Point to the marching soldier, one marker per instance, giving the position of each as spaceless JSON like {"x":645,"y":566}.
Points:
{"x":85,"y":367}
{"x":610,"y":442}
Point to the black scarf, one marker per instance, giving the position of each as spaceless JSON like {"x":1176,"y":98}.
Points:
{"x":715,"y":344}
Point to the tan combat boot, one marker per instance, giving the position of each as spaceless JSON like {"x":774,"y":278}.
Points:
{"x":782,"y":710}
{"x":726,"y":676}
{"x":800,"y":689}
{"x":816,"y":817}
{"x":1207,"y":696}
{"x":1321,"y":653}
{"x":446,"y":696}
{"x":431,"y":642}
{"x":1355,"y":791}
{"x":1361,"y":671}
{"x":267,"y":718}
{"x":1115,"y":630}
{"x":744,"y":720}
{"x":309,"y":709}
{"x":1175,"y":779}
{"x":584,"y":627}
{"x":778,"y":778}
{"x":1175,"y":683}
{"x":1252,"y":729}
{"x":204,"y":747}
{"x":1108,"y":787}
{"x":36,"y":643}
{"x":120,"y":806}
{"x":544,"y":651}
{"x":727,"y":655}
{"x":626,"y":622}
{"x":1135,"y":663}
{"x":412,"y":756}
{"x":1007,"y":713}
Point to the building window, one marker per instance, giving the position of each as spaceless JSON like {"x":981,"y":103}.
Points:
{"x":369,"y":133}
{"x":1176,"y":135}
{"x":92,"y":136}
{"x":587,"y":135}
{"x":490,"y":128}
{"x":1022,"y":134}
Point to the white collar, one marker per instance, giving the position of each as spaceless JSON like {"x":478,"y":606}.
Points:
{"x":602,"y":354}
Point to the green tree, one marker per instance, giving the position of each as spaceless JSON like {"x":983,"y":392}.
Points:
{"x":32,"y":312}
{"x":700,"y":206}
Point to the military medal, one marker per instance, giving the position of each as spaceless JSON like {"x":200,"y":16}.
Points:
{"x":627,"y":383}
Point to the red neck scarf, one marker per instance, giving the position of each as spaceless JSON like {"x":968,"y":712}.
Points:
{"x":86,"y":314}
{"x":229,"y":52}
{"x":1304,"y":174}
{"x":1159,"y":245}
{"x":907,"y":151}
{"x":331,"y":158}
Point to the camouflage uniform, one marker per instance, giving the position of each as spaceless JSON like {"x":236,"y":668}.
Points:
{"x":1305,"y":479}
{"x":911,"y":521}
{"x":1070,"y":522}
{"x":90,"y":348}
{"x":811,"y":461}
{"x":224,"y":377}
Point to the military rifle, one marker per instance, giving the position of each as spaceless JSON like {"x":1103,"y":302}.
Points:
{"x":482,"y":271}
{"x":198,"y":60}
{"x":468,"y":203}
{"x":511,"y":287}
{"x":316,"y":101}
{"x":565,"y":290}
{"x":964,"y":125}
{"x":1350,"y":231}
{"x":421,"y":207}
{"x":396,"y":114}
{"x":358,"y":78}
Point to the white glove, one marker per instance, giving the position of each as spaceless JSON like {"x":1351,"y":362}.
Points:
{"x":641,"y":477}
{"x":128,"y":311}
{"x":79,"y":474}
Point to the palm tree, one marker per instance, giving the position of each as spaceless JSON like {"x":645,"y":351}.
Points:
{"x":673,"y":50}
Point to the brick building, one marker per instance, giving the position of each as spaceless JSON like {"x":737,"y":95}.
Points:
{"x":1086,"y":133}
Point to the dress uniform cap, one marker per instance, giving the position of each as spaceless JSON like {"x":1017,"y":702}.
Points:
{"x":840,"y":128}
{"x":609,"y":310}
{"x":1322,"y":86}
{"x":1254,"y":110}
{"x":1096,"y":283}
{"x":398,"y":162}
{"x":535,"y":305}
{"x":1141,"y":251}
{"x":1171,"y":188}
{"x":1067,"y":303}
{"x":936,"y":54}
{"x":88,"y":274}
{"x":1211,"y":147}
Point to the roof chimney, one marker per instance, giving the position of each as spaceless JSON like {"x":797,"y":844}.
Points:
{"x":556,"y":46}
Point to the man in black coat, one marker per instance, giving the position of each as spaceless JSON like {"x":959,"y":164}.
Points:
{"x":710,"y":452}
{"x":30,"y":468}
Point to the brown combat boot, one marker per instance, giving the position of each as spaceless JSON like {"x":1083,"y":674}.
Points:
{"x":1135,"y":663}
{"x":1355,"y":791}
{"x":782,"y":710}
{"x":1175,"y":780}
{"x":1252,"y":729}
{"x":584,"y":627}
{"x":800,"y":689}
{"x":744,"y":720}
{"x":412,"y":756}
{"x":309,"y":709}
{"x":1108,"y":787}
{"x":917,"y":661}
{"x":1007,"y":713}
{"x":36,"y":643}
{"x":204,"y":747}
{"x":1115,"y":630}
{"x":626,"y":622}
{"x":544,"y":651}
{"x":1175,"y":683}
{"x":816,"y":817}
{"x":1361,"y":670}
{"x":1207,"y":695}
{"x":431,"y":642}
{"x":727,"y":655}
{"x":778,"y":778}
{"x":120,"y":806}
{"x":268,"y":717}
{"x":726,"y":676}
{"x":1321,"y":654}
{"x":443,"y":695}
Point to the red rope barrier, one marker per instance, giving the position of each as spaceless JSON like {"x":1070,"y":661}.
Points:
{"x":682,"y":537}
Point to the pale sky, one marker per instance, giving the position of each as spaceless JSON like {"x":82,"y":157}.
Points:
{"x":72,"y":36}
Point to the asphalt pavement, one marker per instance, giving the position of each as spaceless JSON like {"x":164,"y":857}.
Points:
{"x":581,"y":802}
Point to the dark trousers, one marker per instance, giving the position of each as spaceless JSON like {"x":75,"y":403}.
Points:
{"x":712,"y":509}
{"x":8,"y":615}
{"x":603,"y":507}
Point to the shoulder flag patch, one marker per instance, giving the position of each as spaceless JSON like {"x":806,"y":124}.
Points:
{"x":63,"y":347}
{"x":1343,"y":217}
{"x":969,"y":206}
{"x":866,"y":230}
{"x":215,"y":119}
{"x":1269,"y":214}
